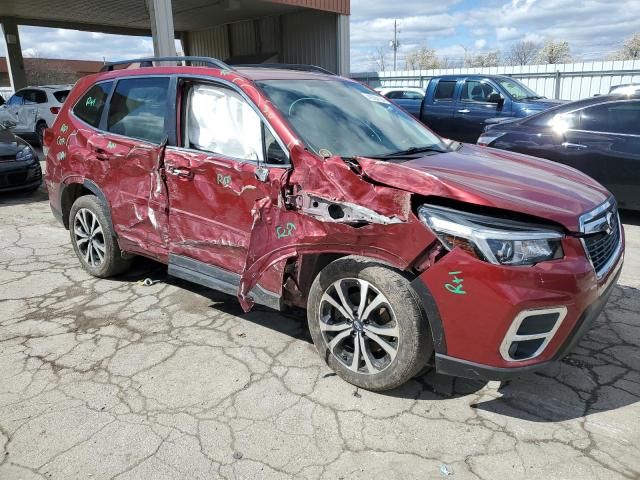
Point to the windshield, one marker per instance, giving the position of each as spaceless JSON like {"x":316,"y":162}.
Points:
{"x":517,"y":90}
{"x":344,"y":118}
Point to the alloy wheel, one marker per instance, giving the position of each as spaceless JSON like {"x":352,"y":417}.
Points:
{"x":89,"y":237}
{"x":359,"y":326}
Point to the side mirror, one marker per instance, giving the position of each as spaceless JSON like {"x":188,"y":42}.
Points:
{"x":496,"y":98}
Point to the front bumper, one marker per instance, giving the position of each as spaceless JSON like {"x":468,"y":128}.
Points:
{"x":469,"y":328}
{"x":16,"y":175}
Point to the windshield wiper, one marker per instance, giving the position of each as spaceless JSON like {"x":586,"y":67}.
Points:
{"x":410,"y":151}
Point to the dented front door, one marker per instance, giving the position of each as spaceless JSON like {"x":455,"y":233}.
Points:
{"x":211,"y":198}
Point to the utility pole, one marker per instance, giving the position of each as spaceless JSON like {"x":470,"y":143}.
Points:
{"x":395,"y":44}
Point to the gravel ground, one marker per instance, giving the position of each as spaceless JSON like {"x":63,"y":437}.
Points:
{"x":104,"y":379}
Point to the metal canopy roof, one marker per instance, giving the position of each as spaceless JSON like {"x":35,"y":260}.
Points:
{"x":131,"y":16}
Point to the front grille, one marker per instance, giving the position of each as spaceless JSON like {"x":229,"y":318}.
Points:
{"x":602,"y":245}
{"x":13,"y":179}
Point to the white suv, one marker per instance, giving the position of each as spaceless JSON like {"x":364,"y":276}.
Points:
{"x":33,"y":109}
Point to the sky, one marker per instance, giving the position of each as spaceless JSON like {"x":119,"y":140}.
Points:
{"x":593,"y":28}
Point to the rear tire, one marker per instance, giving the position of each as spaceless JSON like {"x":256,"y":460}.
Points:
{"x":93,"y":239}
{"x":40,"y":128}
{"x":376,"y":345}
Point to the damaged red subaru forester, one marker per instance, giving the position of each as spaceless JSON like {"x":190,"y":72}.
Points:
{"x":290,"y":186}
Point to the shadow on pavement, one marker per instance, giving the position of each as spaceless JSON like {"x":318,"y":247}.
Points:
{"x":601,"y":374}
{"x":630,"y":217}
{"x":22,"y":197}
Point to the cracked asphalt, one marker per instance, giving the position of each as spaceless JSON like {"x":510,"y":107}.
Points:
{"x":106,"y":379}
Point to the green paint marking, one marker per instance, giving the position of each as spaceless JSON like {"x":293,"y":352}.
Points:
{"x":61,"y":141}
{"x":286,"y":231}
{"x":91,"y":102}
{"x":456,"y":284}
{"x":63,"y":128}
{"x":111,"y":146}
{"x":224,"y":180}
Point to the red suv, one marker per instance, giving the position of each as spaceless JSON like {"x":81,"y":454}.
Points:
{"x":288,"y":187}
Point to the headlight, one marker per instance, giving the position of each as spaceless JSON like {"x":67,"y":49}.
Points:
{"x":25,"y":153}
{"x":495,"y":240}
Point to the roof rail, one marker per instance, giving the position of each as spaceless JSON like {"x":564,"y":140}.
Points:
{"x":288,"y":66}
{"x":148,"y":62}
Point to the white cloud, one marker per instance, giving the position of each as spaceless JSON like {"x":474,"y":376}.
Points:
{"x":506,"y":33}
{"x":480,"y":43}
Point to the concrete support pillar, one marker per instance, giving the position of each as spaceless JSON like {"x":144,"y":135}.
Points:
{"x":15,"y":62}
{"x":344,"y":55}
{"x":161,"y":17}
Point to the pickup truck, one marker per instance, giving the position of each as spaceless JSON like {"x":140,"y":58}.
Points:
{"x":460,"y":106}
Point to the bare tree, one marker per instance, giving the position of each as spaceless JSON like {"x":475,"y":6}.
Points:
{"x":490,"y":59}
{"x":630,"y":50}
{"x":524,"y":52}
{"x":422,"y":58}
{"x":555,"y":52}
{"x":379,"y":57}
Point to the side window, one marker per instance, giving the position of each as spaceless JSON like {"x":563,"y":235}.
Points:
{"x":29,"y":97}
{"x":138,"y":108}
{"x":90,"y":106}
{"x":273,"y":152}
{"x":622,"y":117}
{"x":476,"y":91}
{"x":39,"y":96}
{"x":445,"y":90}
{"x":219,"y":120}
{"x":394,"y":94}
{"x":413,"y":95}
{"x":16,"y":99}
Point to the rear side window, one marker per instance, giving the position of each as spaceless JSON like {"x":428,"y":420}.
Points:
{"x":61,"y":95}
{"x":138,"y":108}
{"x":394,"y":95}
{"x":623,"y":117}
{"x":444,"y":90}
{"x":90,"y":106}
{"x":34,"y":96}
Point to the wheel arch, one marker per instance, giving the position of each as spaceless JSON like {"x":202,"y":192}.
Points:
{"x":76,"y":189}
{"x":305,"y":267}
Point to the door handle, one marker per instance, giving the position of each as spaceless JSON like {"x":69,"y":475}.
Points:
{"x":464,"y":110}
{"x":181,"y":172}
{"x":573,"y":146}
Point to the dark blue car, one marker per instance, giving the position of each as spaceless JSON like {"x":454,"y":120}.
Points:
{"x":460,"y":106}
{"x":599,"y":136}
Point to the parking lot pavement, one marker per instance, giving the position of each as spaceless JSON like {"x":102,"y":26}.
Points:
{"x":108,"y":379}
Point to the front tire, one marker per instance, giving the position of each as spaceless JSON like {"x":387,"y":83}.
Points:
{"x":93,"y":239}
{"x":368,"y":324}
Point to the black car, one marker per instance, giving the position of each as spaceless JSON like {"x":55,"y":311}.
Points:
{"x":599,"y":136}
{"x":19,"y":165}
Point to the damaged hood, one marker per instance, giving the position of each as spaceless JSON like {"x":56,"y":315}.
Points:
{"x":496,"y":178}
